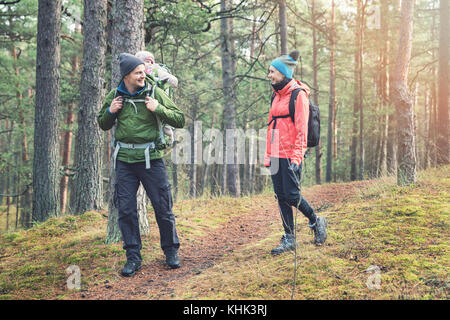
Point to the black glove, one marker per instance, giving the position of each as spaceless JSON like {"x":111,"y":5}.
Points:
{"x":294,"y":167}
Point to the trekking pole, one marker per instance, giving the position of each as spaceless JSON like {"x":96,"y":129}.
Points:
{"x":295,"y":239}
{"x":295,"y":233}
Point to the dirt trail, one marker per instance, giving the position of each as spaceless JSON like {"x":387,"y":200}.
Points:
{"x":156,"y":281}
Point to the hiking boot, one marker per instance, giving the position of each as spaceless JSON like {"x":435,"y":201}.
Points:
{"x":130,"y":268}
{"x":172,"y":259}
{"x":288,"y":243}
{"x":320,"y":230}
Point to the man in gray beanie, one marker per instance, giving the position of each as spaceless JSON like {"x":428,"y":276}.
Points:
{"x":134,"y":105}
{"x":127,"y":63}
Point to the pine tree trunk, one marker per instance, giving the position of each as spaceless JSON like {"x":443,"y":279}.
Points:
{"x":46,"y":146}
{"x":432,"y":128}
{"x":88,"y":179}
{"x":361,"y":89}
{"x":407,"y":162}
{"x":67,"y":137}
{"x":356,"y":93}
{"x":2,"y":176}
{"x":391,"y":142}
{"x":9,"y":176}
{"x":27,"y":198}
{"x":144,"y":226}
{"x":332,"y":99}
{"x":232,"y":169}
{"x":250,"y":168}
{"x":443,"y":80}
{"x":426,"y":130}
{"x":127,"y":36}
{"x":206,"y":165}
{"x":214,"y":184}
{"x":67,"y":150}
{"x":246,"y":167}
{"x":192,"y":165}
{"x":384,"y":86}
{"x":283,"y":26}
{"x":318,"y":153}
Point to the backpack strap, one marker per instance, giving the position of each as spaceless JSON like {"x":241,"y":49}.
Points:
{"x":294,"y":95}
{"x":291,"y":114}
{"x":151,"y":93}
{"x":272,"y":98}
{"x":292,"y":100}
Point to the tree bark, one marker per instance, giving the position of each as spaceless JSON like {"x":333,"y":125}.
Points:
{"x":318,"y":153}
{"x":407,"y":162}
{"x":192,"y":165}
{"x":232,"y":169}
{"x":88,"y":179}
{"x":67,"y":137}
{"x":443,"y":81}
{"x":9,"y":176}
{"x":27,"y":198}
{"x":127,"y":36}
{"x":356,"y":94}
{"x":383,"y":88}
{"x":175,"y":176}
{"x":207,"y":166}
{"x":391,"y":142}
{"x":67,"y":150}
{"x":361,"y":90}
{"x":283,"y":26}
{"x":46,"y":147}
{"x":433,"y":103}
{"x":332,"y":98}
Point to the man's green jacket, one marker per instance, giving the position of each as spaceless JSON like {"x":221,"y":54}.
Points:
{"x":135,"y":123}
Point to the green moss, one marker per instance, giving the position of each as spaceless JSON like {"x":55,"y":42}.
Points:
{"x":403,"y":230}
{"x":28,"y":270}
{"x":11,"y":237}
{"x":33,"y":283}
{"x":403,"y":210}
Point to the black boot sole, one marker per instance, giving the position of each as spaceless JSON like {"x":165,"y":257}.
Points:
{"x":173,"y":266}
{"x":130,"y":274}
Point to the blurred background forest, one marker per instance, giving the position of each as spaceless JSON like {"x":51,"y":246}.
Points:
{"x":220,"y":52}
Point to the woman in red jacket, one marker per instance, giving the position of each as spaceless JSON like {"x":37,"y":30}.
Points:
{"x":286,"y":148}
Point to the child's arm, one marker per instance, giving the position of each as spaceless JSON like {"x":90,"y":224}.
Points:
{"x":165,"y":76}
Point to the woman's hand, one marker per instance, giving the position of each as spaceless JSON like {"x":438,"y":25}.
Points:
{"x":294,"y":167}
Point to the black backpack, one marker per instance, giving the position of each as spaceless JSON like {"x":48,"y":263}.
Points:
{"x":313,"y":120}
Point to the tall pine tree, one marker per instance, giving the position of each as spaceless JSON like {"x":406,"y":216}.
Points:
{"x":46,"y":143}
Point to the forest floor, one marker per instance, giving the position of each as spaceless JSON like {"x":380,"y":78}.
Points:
{"x":384,"y":242}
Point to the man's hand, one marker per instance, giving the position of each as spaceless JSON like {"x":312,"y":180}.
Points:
{"x":116,"y":105}
{"x":151,"y":103}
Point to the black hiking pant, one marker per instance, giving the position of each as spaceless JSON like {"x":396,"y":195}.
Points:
{"x":157,"y":187}
{"x":286,"y":185}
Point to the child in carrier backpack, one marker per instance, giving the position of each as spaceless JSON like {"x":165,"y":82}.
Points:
{"x":163,"y":78}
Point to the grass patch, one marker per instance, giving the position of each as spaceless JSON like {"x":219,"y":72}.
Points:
{"x":8,"y":220}
{"x":33,"y":262}
{"x":402,"y":231}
